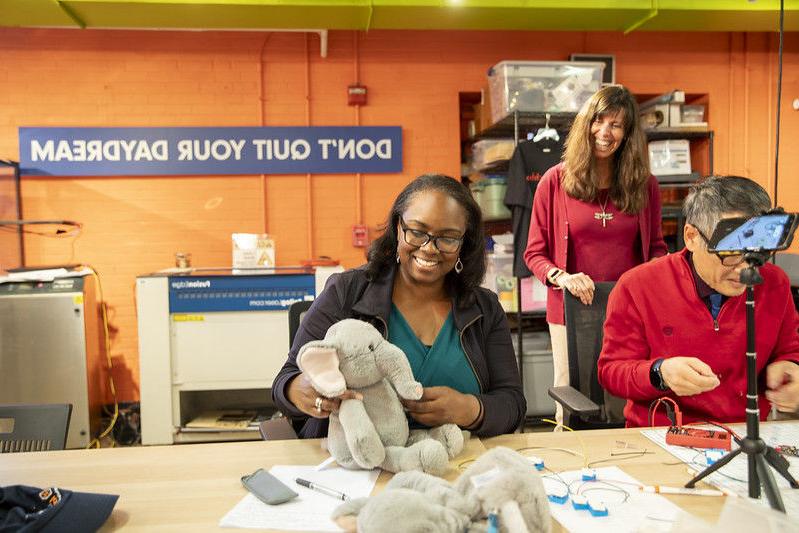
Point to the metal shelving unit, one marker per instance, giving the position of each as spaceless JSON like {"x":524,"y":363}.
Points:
{"x":511,"y":124}
{"x":514,"y":126}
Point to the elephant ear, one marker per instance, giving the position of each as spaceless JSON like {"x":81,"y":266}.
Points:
{"x":320,"y":363}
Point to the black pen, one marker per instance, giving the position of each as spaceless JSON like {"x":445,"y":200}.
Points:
{"x":324,"y":490}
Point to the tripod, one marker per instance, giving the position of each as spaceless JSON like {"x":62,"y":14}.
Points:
{"x":756,"y":450}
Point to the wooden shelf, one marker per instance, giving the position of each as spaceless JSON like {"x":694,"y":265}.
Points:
{"x":677,"y":133}
{"x":495,"y":167}
{"x":679,"y":179}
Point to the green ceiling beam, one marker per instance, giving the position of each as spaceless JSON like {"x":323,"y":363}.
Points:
{"x":34,"y":13}
{"x":579,"y":15}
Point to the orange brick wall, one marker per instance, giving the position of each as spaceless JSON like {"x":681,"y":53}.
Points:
{"x":135,"y":225}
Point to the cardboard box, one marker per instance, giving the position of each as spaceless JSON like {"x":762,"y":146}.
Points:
{"x":253,"y":250}
{"x":482,"y":111}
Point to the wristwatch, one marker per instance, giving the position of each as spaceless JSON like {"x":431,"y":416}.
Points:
{"x":553,"y":276}
{"x":655,"y":377}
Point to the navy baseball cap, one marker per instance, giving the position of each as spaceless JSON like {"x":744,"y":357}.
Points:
{"x":28,"y":509}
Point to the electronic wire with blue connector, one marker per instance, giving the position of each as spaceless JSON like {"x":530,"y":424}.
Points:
{"x":538,"y":463}
{"x":579,"y":502}
{"x":597,"y":508}
{"x":493,"y":521}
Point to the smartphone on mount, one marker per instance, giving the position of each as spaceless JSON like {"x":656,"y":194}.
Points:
{"x":769,"y":232}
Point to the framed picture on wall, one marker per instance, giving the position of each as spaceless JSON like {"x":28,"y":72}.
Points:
{"x":609,"y":73}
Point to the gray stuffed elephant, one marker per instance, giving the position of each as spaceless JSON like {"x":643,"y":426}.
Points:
{"x":374,"y":432}
{"x":501,"y":481}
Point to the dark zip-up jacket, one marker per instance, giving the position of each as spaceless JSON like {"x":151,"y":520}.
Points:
{"x":483,"y":330}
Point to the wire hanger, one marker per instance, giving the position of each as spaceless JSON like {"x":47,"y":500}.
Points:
{"x":546,"y":132}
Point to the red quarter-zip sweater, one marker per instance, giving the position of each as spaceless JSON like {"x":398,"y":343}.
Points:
{"x":655,"y":311}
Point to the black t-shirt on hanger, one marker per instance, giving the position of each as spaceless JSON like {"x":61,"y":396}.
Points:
{"x":529,"y":162}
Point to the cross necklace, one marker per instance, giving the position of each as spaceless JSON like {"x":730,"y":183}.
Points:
{"x":604,"y":216}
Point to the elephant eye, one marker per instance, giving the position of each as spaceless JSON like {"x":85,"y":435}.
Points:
{"x":371,"y":347}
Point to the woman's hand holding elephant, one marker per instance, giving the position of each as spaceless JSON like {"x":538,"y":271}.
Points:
{"x":301,"y":393}
{"x":443,"y":405}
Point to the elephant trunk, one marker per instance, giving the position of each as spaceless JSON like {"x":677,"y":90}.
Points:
{"x":395,"y":367}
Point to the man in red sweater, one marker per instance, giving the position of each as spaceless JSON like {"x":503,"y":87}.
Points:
{"x":676,"y":326}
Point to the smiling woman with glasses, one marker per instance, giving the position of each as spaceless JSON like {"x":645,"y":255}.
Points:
{"x":418,"y":238}
{"x":421,"y":290}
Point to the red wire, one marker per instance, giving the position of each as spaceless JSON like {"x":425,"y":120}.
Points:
{"x":653,"y":410}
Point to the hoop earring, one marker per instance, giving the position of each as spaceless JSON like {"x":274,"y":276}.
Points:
{"x":458,"y":266}
{"x":397,"y":257}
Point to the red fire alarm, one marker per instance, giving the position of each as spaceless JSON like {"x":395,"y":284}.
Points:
{"x":356,"y":95}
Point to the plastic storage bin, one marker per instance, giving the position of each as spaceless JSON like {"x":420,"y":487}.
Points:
{"x":670,"y":157}
{"x":477,"y":191}
{"x":538,"y":373}
{"x":692,"y":114}
{"x":544,"y":86}
{"x":492,"y":200}
{"x":499,"y":279}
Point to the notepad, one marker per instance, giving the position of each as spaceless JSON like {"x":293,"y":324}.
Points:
{"x":310,"y":511}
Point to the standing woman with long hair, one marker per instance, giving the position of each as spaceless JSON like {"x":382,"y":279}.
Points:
{"x":596,"y":214}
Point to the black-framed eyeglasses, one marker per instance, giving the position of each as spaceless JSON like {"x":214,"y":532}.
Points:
{"x":418,"y":238}
{"x":726,"y":260}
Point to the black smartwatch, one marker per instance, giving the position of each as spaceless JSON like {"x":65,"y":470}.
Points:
{"x":655,"y":377}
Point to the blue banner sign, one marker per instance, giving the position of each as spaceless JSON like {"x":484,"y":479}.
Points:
{"x":220,"y":151}
{"x":268,"y":292}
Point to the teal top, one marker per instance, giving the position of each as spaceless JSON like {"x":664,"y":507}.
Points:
{"x":442,"y":364}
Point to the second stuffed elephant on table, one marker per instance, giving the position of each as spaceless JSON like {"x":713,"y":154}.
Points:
{"x":374,"y":432}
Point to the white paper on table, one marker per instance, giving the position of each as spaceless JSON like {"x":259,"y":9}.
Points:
{"x":311,"y":510}
{"x":641,"y":512}
{"x":733,"y":477}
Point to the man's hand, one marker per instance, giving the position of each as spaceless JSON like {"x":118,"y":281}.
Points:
{"x":443,"y":405}
{"x":782,"y":380}
{"x":687,"y":376}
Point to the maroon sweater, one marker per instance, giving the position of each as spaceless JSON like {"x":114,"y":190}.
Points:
{"x":547,"y":242}
{"x":655,"y":311}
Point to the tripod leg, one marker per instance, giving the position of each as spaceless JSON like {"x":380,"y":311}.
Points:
{"x":753,"y":481}
{"x":769,"y":484}
{"x":712,"y":468}
{"x":781,"y":465}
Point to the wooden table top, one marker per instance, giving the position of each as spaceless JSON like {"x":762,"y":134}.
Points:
{"x":191,"y":487}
